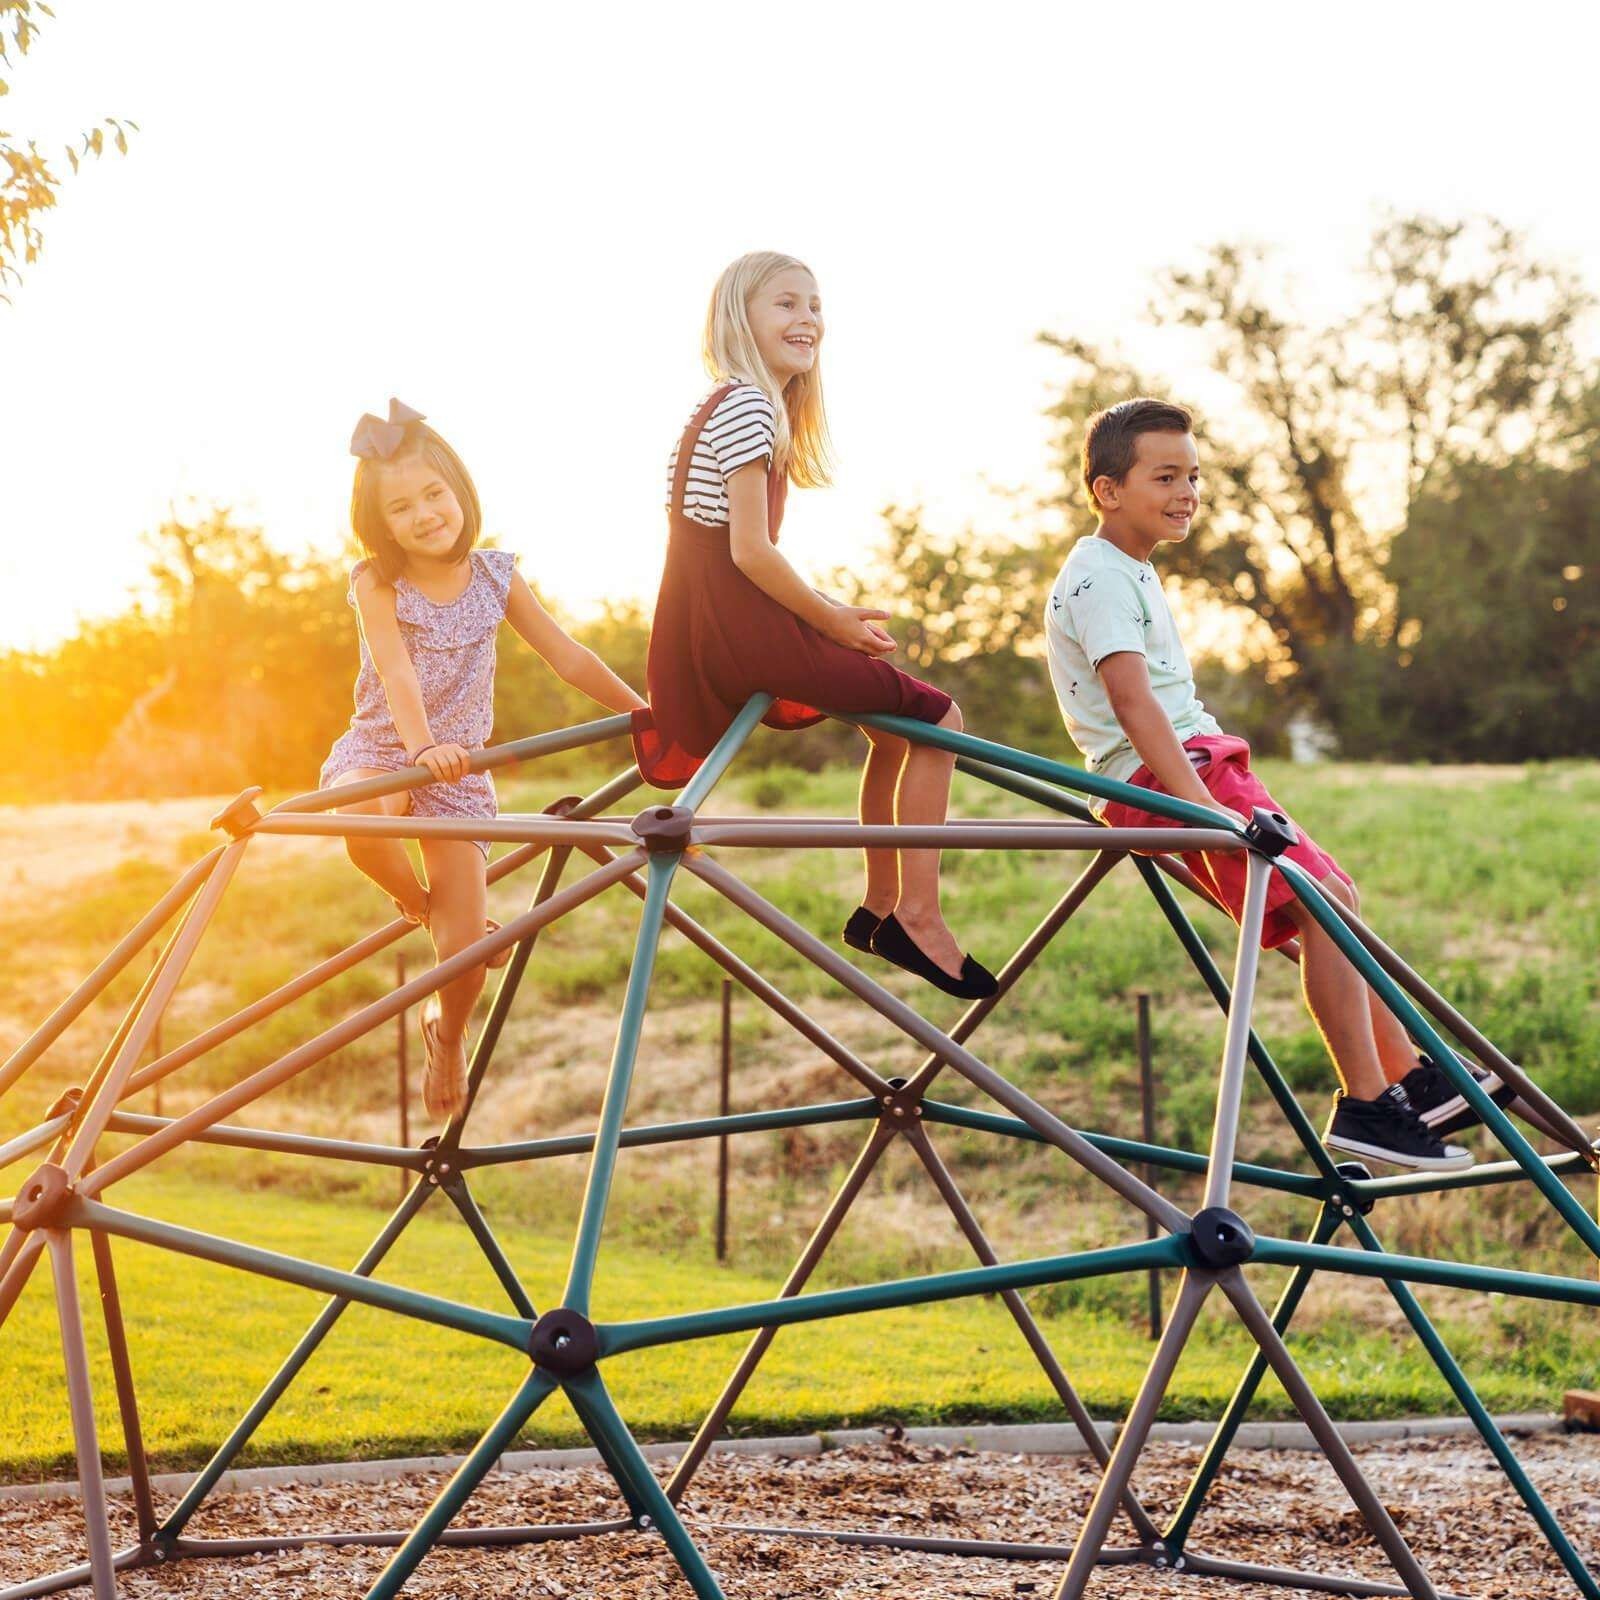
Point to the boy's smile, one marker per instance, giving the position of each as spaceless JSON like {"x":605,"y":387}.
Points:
{"x":1156,"y":502}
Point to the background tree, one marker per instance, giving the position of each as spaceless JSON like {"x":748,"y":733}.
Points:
{"x":28,"y":182}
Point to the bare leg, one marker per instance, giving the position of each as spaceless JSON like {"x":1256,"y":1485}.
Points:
{"x":880,"y":778}
{"x":455,"y":919}
{"x":1341,"y":1004}
{"x":1396,"y":1052}
{"x":923,"y":798}
{"x":384,"y":860}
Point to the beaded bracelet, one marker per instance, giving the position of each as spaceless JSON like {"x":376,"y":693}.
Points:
{"x":417,"y":756}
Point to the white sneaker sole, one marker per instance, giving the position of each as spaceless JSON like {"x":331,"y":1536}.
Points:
{"x":1377,"y":1152}
{"x":1456,"y":1104}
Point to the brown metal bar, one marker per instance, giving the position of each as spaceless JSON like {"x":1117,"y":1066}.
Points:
{"x":1204,"y":1566}
{"x":127,"y":1398}
{"x":121,"y":954}
{"x":943,"y":1180}
{"x":34,"y":1139}
{"x":816,"y":1247}
{"x":80,"y":1397}
{"x":336,"y":1037}
{"x":1050,"y":1127}
{"x":18,"y":1257}
{"x":533,"y":829}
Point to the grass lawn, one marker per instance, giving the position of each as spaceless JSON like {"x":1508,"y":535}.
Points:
{"x":1487,"y":879}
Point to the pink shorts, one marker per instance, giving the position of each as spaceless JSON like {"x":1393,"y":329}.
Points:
{"x":1222,"y":764}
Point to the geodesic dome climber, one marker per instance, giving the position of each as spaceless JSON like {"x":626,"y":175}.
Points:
{"x":67,"y":1199}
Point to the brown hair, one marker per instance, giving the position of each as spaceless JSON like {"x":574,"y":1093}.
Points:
{"x":1112,"y":440}
{"x":366,"y":513}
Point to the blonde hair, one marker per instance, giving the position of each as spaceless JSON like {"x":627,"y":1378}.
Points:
{"x":802,"y":448}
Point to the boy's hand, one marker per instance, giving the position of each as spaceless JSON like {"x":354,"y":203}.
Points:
{"x":857,"y":628}
{"x":1230,"y":814}
{"x":446,"y":762}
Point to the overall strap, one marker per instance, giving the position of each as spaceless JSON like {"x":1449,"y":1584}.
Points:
{"x":686,"y":444}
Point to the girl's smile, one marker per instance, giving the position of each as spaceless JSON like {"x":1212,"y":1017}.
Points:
{"x":786,"y":318}
{"x":420,"y":509}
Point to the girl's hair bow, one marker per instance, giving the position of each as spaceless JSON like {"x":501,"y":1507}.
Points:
{"x":377,"y":440}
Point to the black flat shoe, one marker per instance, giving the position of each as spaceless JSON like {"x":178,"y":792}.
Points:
{"x":858,"y":931}
{"x":893,"y":943}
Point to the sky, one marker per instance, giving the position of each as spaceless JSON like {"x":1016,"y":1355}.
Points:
{"x":511,"y":217}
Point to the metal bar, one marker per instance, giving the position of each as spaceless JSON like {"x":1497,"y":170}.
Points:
{"x":1254,"y":1316}
{"x":1422,"y":1031}
{"x":602,"y":1165}
{"x":1193,"y":1288}
{"x":294,"y":1144}
{"x":1032,"y":1333}
{"x":72,"y":1577}
{"x":120,"y":955}
{"x":1230,"y":1084}
{"x":1480,"y":1176}
{"x":393,"y":1538}
{"x":1194,"y":946}
{"x":402,"y":1075}
{"x":1468,"y":1399}
{"x":80,"y":1396}
{"x":619,"y":1337}
{"x":1204,"y":1566}
{"x":1129,"y":1150}
{"x":768,"y":993}
{"x":724,"y":1111}
{"x":478,"y":1224}
{"x":487,"y":760}
{"x":590,"y":1399}
{"x":309,"y":1341}
{"x":122,"y":1375}
{"x":1147,"y":1129}
{"x":821,"y":1236}
{"x":694,"y":793}
{"x":94,"y":1113}
{"x":1000,"y":1549}
{"x":535,"y":1389}
{"x":1021,"y":961}
{"x":1221,"y":1440}
{"x":1563,"y":1127}
{"x":1418,"y":1269}
{"x":335,"y":1038}
{"x":908,"y":1021}
{"x":577,"y":1144}
{"x":531,"y":829}
{"x":513,"y":1331}
{"x":826,"y":834}
{"x":34,"y":1139}
{"x":17,"y":1261}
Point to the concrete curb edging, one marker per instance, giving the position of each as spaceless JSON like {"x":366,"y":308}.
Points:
{"x":1038,"y":1438}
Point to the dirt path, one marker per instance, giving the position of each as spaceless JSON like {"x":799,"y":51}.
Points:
{"x":1458,"y":1512}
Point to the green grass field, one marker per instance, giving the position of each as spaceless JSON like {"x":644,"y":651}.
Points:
{"x":1485,"y":878}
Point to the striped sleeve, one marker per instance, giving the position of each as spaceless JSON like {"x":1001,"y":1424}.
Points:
{"x":741,"y":430}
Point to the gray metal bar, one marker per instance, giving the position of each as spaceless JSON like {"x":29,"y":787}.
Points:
{"x":821,"y":1236}
{"x":34,"y":1139}
{"x":1054,"y":1130}
{"x":823,"y":834}
{"x":1204,"y":1566}
{"x":1032,"y":1333}
{"x":73,"y":1577}
{"x":80,"y":1396}
{"x":1193,"y":1288}
{"x":1230,"y":1085}
{"x":294,"y":1144}
{"x":1481,"y":1176}
{"x":17,"y":1261}
{"x":1254,"y":1316}
{"x":535,"y":828}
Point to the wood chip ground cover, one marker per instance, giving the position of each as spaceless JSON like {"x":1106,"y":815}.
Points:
{"x":1453,"y":1504}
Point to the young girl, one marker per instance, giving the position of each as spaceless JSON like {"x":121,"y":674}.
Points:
{"x":430,"y":606}
{"x":734,"y":619}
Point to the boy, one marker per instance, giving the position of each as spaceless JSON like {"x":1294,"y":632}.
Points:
{"x":1127,"y":695}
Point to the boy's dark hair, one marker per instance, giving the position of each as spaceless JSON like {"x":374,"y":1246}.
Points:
{"x":366,"y":508}
{"x":1112,"y":439}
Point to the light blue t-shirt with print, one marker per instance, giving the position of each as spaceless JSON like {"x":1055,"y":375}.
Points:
{"x":1105,"y":602}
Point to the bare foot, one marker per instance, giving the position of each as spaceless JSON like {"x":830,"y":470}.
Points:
{"x":413,"y":909}
{"x":933,"y":938}
{"x":444,"y":1077}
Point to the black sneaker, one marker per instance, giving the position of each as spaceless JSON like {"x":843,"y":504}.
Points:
{"x":1389,"y":1129}
{"x":1440,"y":1104}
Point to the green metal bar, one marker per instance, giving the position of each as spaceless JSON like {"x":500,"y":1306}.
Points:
{"x":1462,"y":1388}
{"x":478,"y":1224}
{"x":588,"y":1396}
{"x":1211,"y":975}
{"x":577,"y":1144}
{"x":1478,"y":1177}
{"x":1417,"y":1269}
{"x":1423,"y":1032}
{"x":500,"y":755}
{"x":1217,"y":1447}
{"x":1171,"y":1251}
{"x":513,"y":1331}
{"x":712,"y":768}
{"x":286,"y":1374}
{"x":1128,"y":1150}
{"x":536,"y":1388}
{"x":586,"y":1247}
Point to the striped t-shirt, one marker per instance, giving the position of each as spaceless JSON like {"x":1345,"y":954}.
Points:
{"x":739,"y":431}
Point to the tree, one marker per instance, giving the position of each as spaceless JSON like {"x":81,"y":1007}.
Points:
{"x":28,"y":182}
{"x":1463,"y":351}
